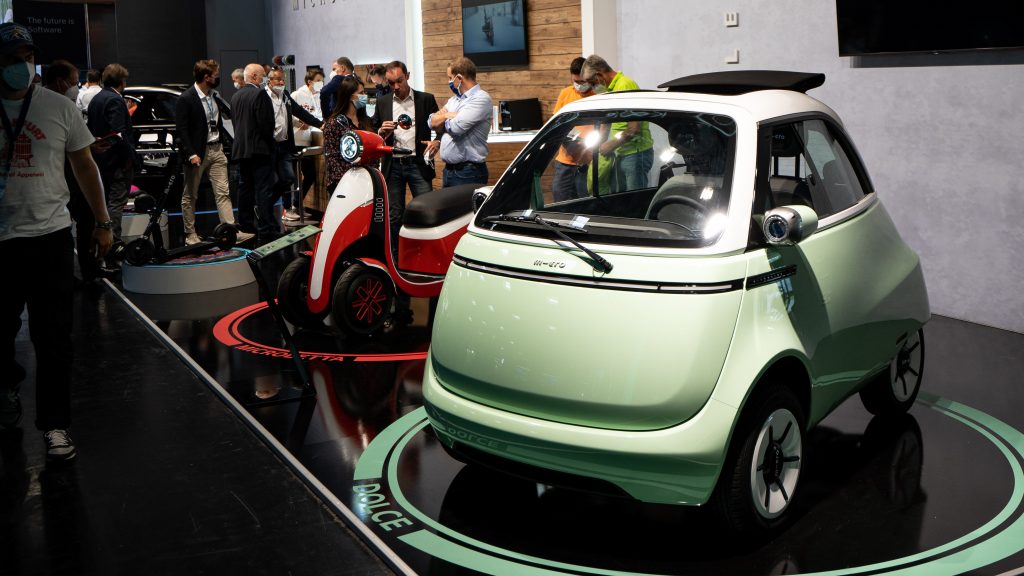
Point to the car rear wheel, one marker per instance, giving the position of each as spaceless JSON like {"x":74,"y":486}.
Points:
{"x":762,"y":472}
{"x":362,"y":300}
{"x":895,"y":390}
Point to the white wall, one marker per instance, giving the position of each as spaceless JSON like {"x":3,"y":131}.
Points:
{"x":320,"y":31}
{"x":943,"y":143}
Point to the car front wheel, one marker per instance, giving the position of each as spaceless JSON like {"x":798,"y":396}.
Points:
{"x":762,"y":472}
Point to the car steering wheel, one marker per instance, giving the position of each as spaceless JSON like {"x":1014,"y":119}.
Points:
{"x":676,"y":199}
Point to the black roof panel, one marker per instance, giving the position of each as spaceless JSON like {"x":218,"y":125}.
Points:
{"x":742,"y":81}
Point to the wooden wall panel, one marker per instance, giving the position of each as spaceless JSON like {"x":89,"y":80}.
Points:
{"x":554,"y":36}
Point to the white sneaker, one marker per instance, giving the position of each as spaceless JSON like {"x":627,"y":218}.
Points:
{"x":59,"y":445}
{"x":290,"y":215}
{"x":243,"y":237}
{"x":192,"y":238}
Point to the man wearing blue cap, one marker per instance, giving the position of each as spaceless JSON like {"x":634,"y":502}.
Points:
{"x":40,"y":129}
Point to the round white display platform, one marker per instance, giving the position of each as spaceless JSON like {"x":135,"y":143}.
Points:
{"x":191,"y":274}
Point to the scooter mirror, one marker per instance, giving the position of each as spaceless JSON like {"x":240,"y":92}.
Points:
{"x":404,"y":121}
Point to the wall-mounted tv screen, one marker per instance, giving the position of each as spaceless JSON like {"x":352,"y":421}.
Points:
{"x":892,"y":26}
{"x":494,"y":33}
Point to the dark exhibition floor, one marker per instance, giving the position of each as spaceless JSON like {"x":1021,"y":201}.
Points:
{"x":174,"y":476}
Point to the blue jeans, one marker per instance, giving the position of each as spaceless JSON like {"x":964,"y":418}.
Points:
{"x":467,"y":173}
{"x":570,"y":182}
{"x":634,"y":170}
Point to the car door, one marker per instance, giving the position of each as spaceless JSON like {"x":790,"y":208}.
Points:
{"x":839,"y":286}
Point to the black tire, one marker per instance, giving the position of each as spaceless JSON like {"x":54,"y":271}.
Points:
{"x":139,"y":251}
{"x":362,"y":301}
{"x":761,"y":473}
{"x":894,"y":390}
{"x":292,"y":289}
{"x":225,"y":235}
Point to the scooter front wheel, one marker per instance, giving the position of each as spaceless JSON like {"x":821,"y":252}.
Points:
{"x":292,"y":289}
{"x":362,"y":300}
{"x":139,"y":251}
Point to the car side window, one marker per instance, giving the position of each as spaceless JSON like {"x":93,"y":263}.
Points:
{"x":834,"y":183}
{"x":811,"y":167}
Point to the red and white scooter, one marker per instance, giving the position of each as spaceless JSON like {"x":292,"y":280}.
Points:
{"x":351,"y":273}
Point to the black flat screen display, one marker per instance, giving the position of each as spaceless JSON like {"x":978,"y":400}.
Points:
{"x":494,"y":33}
{"x":893,"y":26}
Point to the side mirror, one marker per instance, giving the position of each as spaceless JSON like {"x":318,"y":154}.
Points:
{"x":789,"y":224}
{"x":479,"y":195}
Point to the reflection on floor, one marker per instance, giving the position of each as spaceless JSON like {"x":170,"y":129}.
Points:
{"x":929,"y":479}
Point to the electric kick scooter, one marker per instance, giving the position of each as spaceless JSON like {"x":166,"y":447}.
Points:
{"x":149,"y":248}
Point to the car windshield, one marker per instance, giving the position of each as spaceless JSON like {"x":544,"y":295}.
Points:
{"x":636,"y":177}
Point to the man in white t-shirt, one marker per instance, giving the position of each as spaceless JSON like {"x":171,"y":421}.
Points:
{"x":40,"y":129}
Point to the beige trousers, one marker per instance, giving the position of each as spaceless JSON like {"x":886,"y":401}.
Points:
{"x":216,"y":164}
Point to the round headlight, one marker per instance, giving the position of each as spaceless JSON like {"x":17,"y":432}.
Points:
{"x":351,"y":147}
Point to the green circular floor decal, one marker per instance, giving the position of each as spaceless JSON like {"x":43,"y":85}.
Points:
{"x":1000,"y":537}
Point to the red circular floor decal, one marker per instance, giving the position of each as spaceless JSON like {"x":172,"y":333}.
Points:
{"x":228,"y":333}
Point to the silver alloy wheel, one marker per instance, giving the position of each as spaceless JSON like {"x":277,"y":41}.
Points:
{"x":775,"y":468}
{"x":905,"y":368}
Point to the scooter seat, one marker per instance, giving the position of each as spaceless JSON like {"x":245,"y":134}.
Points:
{"x":439,"y":206}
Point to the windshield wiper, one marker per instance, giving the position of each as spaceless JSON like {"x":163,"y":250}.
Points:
{"x":598,"y":262}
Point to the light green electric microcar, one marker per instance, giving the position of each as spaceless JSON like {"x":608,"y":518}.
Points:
{"x":667,"y":288}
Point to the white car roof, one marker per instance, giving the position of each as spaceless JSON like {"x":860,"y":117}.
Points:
{"x":761,"y":105}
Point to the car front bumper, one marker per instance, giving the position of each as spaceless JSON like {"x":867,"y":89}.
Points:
{"x":675,"y":465}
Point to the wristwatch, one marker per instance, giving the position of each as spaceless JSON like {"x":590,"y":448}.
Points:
{"x":108,"y":225}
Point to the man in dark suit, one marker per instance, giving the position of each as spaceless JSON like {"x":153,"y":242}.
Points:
{"x":285,"y":108}
{"x":253,"y":118}
{"x":340,"y":69}
{"x":410,"y":169}
{"x":201,"y":137}
{"x":108,"y":114}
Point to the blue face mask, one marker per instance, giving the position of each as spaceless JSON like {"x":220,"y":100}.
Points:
{"x":455,"y":89}
{"x":18,"y":76}
{"x":361,"y":101}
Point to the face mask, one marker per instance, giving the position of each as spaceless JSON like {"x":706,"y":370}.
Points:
{"x":215,"y":83}
{"x":318,"y":86}
{"x":455,"y":89}
{"x":72,"y":93}
{"x":600,"y":88}
{"x":581,"y":87}
{"x":361,"y":101}
{"x":331,"y":75}
{"x":263,"y":82}
{"x":237,"y":86}
{"x":278,"y":90}
{"x":19,"y":76}
{"x":383,"y":89}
